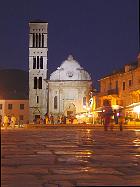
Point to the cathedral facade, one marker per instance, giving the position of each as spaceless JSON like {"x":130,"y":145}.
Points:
{"x":66,"y":91}
{"x":69,"y":87}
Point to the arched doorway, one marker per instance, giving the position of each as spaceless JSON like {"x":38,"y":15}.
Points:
{"x":70,"y":110}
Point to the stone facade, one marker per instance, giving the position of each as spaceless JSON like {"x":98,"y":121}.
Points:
{"x":122,"y":87}
{"x":38,"y":69}
{"x":69,"y":86}
{"x":19,"y":107}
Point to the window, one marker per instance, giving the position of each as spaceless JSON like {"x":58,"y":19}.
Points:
{"x":39,"y":39}
{"x":35,"y":82}
{"x":37,"y":99}
{"x":130,"y":82}
{"x":41,"y":62}
{"x":36,"y":40}
{"x":34,"y":62}
{"x":37,"y":62}
{"x":123,"y":85}
{"x":21,"y":106}
{"x":55,"y":102}
{"x":117,"y":85}
{"x":33,"y":40}
{"x":84,"y":101}
{"x":21,"y":118}
{"x":42,"y":40}
{"x":10,"y":106}
{"x":0,"y":106}
{"x":40,"y":83}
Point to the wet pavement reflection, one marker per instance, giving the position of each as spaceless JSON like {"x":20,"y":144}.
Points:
{"x":70,"y":157}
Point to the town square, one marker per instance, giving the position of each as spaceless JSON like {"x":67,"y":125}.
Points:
{"x":70,"y":93}
{"x":70,"y":156}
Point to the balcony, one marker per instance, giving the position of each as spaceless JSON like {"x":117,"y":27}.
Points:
{"x":112,"y":92}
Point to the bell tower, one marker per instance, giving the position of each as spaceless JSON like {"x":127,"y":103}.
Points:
{"x":38,"y":50}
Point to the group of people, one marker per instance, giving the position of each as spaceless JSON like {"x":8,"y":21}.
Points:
{"x":50,"y":119}
{"x":111,"y":117}
{"x":9,"y":121}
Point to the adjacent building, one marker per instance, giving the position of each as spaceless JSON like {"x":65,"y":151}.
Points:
{"x":121,"y":88}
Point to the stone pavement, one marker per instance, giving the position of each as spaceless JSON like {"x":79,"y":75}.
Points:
{"x":69,"y":157}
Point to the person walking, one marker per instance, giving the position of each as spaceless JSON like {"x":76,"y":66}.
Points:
{"x":121,"y":120}
{"x":51,"y":119}
{"x":107,"y":113}
{"x":13,"y":121}
{"x":6,"y":121}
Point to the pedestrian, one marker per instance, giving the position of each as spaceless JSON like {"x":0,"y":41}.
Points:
{"x":107,"y":113}
{"x":121,"y":120}
{"x":115,"y":114}
{"x":6,"y":121}
{"x":51,"y":119}
{"x":58,"y":119}
{"x":46,"y":119}
{"x":13,"y":121}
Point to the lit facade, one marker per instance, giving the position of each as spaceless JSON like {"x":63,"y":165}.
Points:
{"x":38,"y":49}
{"x":122,"y":87}
{"x":18,"y":108}
{"x":69,"y":87}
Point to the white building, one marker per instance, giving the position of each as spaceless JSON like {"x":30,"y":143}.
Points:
{"x":38,"y":49}
{"x":69,"y":87}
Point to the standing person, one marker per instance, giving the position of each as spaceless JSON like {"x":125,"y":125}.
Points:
{"x":13,"y":121}
{"x":51,"y":119}
{"x":115,"y":113}
{"x":58,"y":119}
{"x":107,"y":117}
{"x":121,"y":120}
{"x":6,"y":121}
{"x":47,"y":119}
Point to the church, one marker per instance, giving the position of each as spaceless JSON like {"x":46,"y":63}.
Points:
{"x":65,"y":91}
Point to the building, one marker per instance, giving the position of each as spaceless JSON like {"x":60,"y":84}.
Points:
{"x":38,"y":49}
{"x":14,"y":94}
{"x":17,"y":107}
{"x":69,"y":87}
{"x":66,"y":90}
{"x":121,"y":88}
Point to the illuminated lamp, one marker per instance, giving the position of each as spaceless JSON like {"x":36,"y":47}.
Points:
{"x":136,"y":109}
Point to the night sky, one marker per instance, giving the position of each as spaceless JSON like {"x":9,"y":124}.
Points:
{"x":102,"y":35}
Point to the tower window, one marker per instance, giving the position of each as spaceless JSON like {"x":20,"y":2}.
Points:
{"x":42,"y":40}
{"x":40,"y":83}
{"x":37,"y":99}
{"x":37,"y":62}
{"x":34,"y":62}
{"x":39,"y":40}
{"x":55,"y":102}
{"x":36,"y":40}
{"x":33,"y":40}
{"x":35,"y":82}
{"x":41,"y":62}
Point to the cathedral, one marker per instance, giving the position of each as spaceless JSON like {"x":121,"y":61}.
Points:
{"x":65,"y":91}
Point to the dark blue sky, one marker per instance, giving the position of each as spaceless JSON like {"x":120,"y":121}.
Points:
{"x":102,"y":35}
